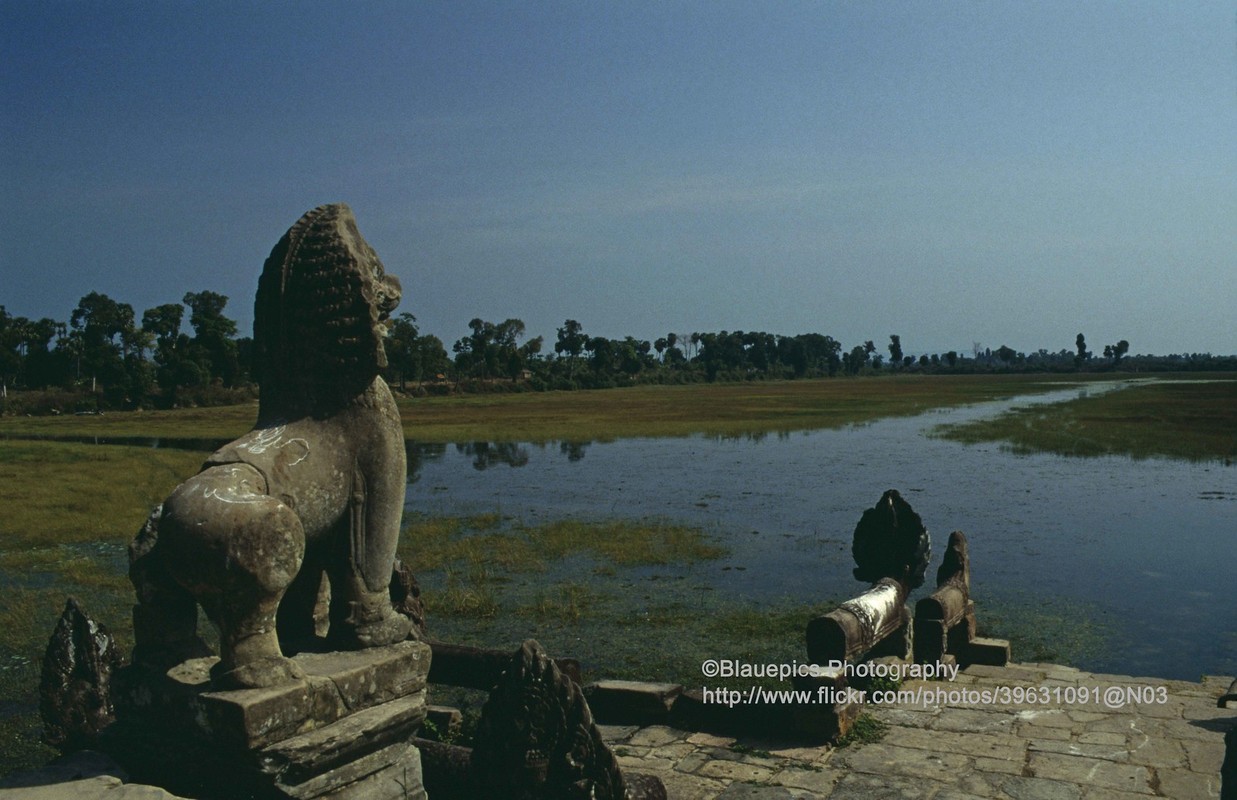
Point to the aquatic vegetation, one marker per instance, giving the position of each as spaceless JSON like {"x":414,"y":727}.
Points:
{"x":1189,"y":420}
{"x":585,"y":589}
{"x":724,"y":409}
{"x":727,"y":409}
{"x":1045,"y":629}
{"x":432,"y":543}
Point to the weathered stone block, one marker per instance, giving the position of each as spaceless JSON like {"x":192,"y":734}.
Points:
{"x":368,"y":677}
{"x":446,"y":719}
{"x":321,"y":736}
{"x":393,"y":773}
{"x":691,"y":712}
{"x":252,"y":718}
{"x":481,"y":668}
{"x":632,"y":702}
{"x":335,"y":685}
{"x":301,"y":757}
{"x":931,"y":637}
{"x":832,"y":678}
{"x":899,"y":644}
{"x":988,"y":652}
{"x":826,"y":723}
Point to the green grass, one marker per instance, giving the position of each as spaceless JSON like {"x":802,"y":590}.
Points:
{"x":714,"y":409}
{"x":734,"y":409}
{"x":58,"y":493}
{"x":489,"y":541}
{"x":1169,"y":419}
{"x":630,"y":599}
{"x":217,"y":422}
{"x":866,"y":730}
{"x":69,"y":512}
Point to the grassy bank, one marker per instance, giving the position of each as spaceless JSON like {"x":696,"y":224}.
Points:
{"x":631,"y":599}
{"x":727,"y":409}
{"x":716,"y":409}
{"x":1172,"y":419}
{"x":69,"y":512}
{"x":218,"y":422}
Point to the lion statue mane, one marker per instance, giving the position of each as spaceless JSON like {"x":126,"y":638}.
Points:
{"x":316,"y":488}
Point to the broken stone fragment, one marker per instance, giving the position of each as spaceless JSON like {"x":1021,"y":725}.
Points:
{"x":75,"y":690}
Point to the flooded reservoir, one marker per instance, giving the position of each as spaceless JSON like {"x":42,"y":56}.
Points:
{"x":1131,"y":561}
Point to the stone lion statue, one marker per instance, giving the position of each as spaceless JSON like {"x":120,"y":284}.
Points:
{"x":317,"y":487}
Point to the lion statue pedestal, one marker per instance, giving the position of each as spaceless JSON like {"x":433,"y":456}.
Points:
{"x":314,"y":493}
{"x":316,"y":488}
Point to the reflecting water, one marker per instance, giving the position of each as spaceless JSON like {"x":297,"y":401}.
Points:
{"x":1144,"y":551}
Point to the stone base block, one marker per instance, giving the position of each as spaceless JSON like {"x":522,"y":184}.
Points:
{"x":446,"y":719}
{"x":990,"y":652}
{"x":691,"y":712}
{"x":340,"y":743}
{"x":824,"y":723}
{"x":631,"y":702}
{"x":344,"y":727}
{"x":836,"y":708}
{"x":392,"y":773}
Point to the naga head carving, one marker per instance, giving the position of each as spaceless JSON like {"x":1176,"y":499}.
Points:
{"x":891,"y":542}
{"x":320,"y":315}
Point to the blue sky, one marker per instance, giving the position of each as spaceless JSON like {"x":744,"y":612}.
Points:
{"x":1000,"y":172}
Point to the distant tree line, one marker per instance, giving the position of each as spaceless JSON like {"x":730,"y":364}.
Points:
{"x":104,"y":357}
{"x":492,"y":357}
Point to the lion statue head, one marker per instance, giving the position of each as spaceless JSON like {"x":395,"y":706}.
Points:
{"x":319,"y":318}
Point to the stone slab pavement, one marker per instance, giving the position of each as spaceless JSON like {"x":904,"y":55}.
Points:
{"x":1172,"y":746}
{"x":84,"y":775}
{"x":1147,"y":737}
